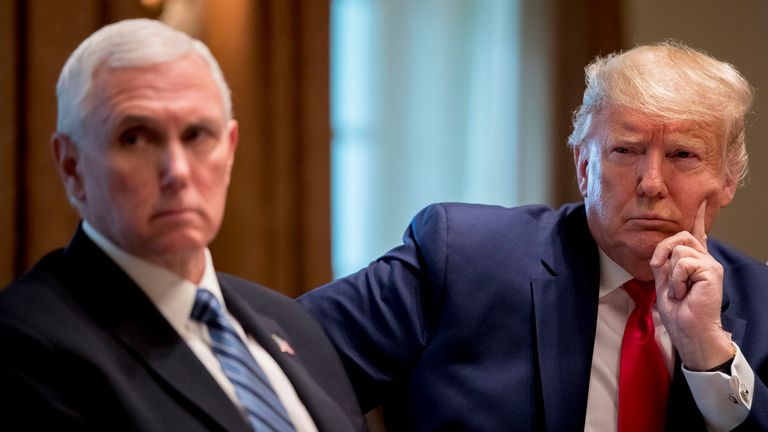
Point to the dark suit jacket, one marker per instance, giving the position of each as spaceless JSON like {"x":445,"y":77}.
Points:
{"x":484,"y":320}
{"x":82,"y":348}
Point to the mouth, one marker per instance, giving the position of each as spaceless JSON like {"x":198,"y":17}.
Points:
{"x":179,"y":213}
{"x":652,"y":223}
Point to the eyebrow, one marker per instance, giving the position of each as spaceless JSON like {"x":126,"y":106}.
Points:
{"x":688,"y":141}
{"x":130,"y":120}
{"x":627,"y":136}
{"x":134,"y":119}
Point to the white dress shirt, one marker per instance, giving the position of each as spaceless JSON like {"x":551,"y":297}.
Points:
{"x":174,"y":297}
{"x":723,"y":400}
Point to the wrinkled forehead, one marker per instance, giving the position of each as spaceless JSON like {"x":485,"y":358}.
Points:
{"x":632,"y":125}
{"x":185,"y":75}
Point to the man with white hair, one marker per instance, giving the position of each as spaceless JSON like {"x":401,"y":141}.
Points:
{"x":129,"y":327}
{"x":614,"y":314}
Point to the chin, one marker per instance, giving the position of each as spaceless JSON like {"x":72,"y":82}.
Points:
{"x":179,"y":244}
{"x":639,"y":247}
{"x":645,"y":250}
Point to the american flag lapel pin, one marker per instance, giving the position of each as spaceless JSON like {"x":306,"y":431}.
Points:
{"x":283,"y":345}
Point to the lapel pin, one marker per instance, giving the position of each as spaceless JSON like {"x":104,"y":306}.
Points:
{"x":283,"y":345}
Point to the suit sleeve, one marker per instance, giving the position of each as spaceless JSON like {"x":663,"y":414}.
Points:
{"x":381,"y":318}
{"x":746,"y":300}
{"x":757,"y":420}
{"x":758,"y":413}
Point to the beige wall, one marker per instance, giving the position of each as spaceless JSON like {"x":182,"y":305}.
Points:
{"x":735,"y":31}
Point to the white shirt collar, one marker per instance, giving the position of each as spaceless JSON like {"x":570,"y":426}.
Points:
{"x":171,"y":294}
{"x":612,"y":275}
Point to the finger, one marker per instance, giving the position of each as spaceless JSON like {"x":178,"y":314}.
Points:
{"x":662,"y":253}
{"x":661,"y":271}
{"x":664,"y":249}
{"x":681,"y":264}
{"x":699,"y":227}
{"x":680,"y":278}
{"x":661,"y":277}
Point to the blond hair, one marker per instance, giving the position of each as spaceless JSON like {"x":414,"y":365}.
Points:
{"x":667,"y":82}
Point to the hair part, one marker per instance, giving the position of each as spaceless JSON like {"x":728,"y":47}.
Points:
{"x":670,"y":82}
{"x":127,"y":43}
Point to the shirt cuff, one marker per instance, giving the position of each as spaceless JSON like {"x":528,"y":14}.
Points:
{"x":724,"y":401}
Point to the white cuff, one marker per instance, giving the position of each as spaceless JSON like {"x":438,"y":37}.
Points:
{"x":724,"y":401}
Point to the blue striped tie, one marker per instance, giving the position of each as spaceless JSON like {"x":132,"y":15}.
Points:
{"x":263,"y":409}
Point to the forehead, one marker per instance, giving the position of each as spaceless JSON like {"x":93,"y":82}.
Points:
{"x":183,"y":83}
{"x":623,"y":123}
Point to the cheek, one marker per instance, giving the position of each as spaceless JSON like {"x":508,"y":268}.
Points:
{"x":213,"y":181}
{"x":609,"y":195}
{"x":130,"y":191}
{"x":691,"y":192}
{"x":597,"y":188}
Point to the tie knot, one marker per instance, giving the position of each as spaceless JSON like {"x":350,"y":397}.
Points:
{"x":642,"y":292}
{"x":207,"y":308}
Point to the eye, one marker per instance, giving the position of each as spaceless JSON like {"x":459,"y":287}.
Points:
{"x":192,"y":134}
{"x":133,"y":137}
{"x":199,"y":137}
{"x":683,"y":154}
{"x":621,"y":150}
{"x":198,"y":133}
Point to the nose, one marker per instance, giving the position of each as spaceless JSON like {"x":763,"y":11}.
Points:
{"x":174,"y":166}
{"x":650,"y":172}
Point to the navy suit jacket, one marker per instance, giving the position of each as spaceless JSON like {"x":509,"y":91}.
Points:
{"x":83,"y":348}
{"x":484,"y":320}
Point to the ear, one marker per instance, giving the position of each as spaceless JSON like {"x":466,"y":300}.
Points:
{"x":580,"y":161}
{"x":729,"y":190}
{"x":232,"y":140}
{"x":66,"y":156}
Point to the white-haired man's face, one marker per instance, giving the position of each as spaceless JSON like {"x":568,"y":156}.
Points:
{"x":153,"y":171}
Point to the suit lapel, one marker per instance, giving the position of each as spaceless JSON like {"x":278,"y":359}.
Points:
{"x":565,"y":332}
{"x":118,"y":304}
{"x":323,"y":410}
{"x":565,"y":301}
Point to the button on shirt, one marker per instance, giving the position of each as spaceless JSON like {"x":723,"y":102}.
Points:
{"x":714,"y":392}
{"x":174,"y":297}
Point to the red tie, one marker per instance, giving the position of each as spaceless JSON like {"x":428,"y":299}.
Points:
{"x":643,"y":378}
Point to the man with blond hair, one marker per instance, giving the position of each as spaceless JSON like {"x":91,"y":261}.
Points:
{"x":613,"y":314}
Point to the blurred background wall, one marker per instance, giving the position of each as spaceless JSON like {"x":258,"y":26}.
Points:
{"x":356,"y":113}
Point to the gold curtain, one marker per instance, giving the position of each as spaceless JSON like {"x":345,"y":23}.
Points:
{"x":275,"y":56}
{"x":583,"y":29}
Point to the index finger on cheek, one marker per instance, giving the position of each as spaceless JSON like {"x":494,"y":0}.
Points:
{"x":699,"y":224}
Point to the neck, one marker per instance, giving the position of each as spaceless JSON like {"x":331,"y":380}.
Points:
{"x":639,"y":269}
{"x":188,"y":266}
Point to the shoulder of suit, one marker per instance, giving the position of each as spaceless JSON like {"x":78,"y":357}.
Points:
{"x":477,"y":214}
{"x":729,"y":257}
{"x":252,"y":292}
{"x":35,"y":282}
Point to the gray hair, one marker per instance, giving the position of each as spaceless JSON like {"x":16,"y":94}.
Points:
{"x":667,"y":82}
{"x":134,"y":42}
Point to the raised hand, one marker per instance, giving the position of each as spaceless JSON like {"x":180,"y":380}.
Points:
{"x":689,"y":293}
